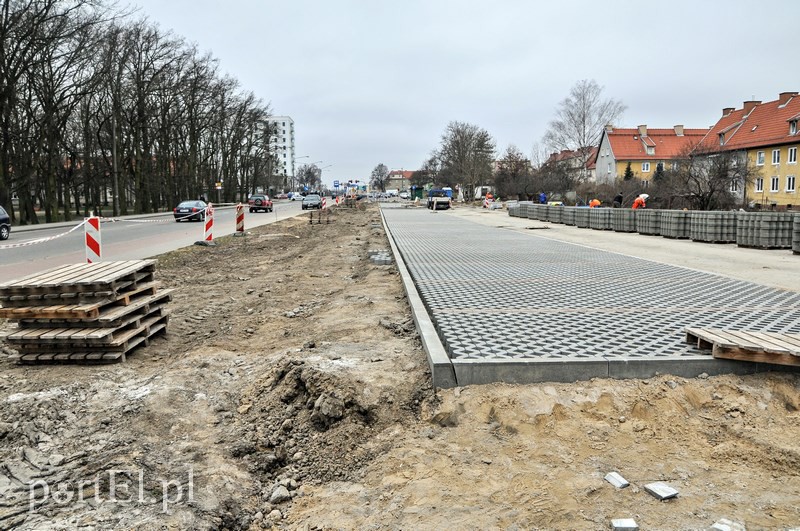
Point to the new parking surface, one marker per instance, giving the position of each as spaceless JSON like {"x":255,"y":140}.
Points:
{"x":521,"y":308}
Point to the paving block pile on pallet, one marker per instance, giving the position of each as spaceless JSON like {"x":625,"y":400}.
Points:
{"x":796,"y":234}
{"x":623,"y":220}
{"x":675,"y":224}
{"x":764,"y":230}
{"x":600,"y":218}
{"x":83,"y":313}
{"x":554,"y":214}
{"x":568,"y":217}
{"x":713,"y":227}
{"x":648,"y":222}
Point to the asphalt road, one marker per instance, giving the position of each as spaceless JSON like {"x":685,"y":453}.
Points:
{"x":130,"y":239}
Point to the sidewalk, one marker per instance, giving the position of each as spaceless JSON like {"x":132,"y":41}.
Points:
{"x":517,"y":305}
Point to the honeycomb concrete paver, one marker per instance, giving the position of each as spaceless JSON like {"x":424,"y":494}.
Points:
{"x":497,"y":295}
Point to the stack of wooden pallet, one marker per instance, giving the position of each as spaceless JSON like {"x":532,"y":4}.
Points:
{"x":85,"y":312}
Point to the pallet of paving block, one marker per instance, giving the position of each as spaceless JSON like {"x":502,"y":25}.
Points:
{"x":758,"y":347}
{"x":85,"y":310}
{"x":92,"y":335}
{"x":132,"y":339}
{"x":98,"y":312}
{"x":79,"y":278}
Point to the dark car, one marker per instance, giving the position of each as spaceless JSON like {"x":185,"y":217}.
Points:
{"x":312,"y":201}
{"x":5,"y":224}
{"x":259,"y":202}
{"x":190,"y":210}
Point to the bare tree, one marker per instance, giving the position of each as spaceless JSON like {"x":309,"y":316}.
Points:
{"x":466,"y":154}
{"x":309,"y":175}
{"x":580,"y":119}
{"x":704,"y":179}
{"x":513,"y":174}
{"x":378,"y":178}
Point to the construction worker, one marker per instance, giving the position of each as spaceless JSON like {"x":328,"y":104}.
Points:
{"x":640,"y":202}
{"x":617,"y":200}
{"x":594,"y":203}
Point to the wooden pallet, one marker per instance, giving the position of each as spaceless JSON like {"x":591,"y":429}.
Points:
{"x":85,"y":310}
{"x":99,"y":314}
{"x":78,"y":337}
{"x":91,"y":357}
{"x":759,"y":347}
{"x":95,"y":278}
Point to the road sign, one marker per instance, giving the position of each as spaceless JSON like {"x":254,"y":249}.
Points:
{"x":218,"y":186}
{"x":336,"y":184}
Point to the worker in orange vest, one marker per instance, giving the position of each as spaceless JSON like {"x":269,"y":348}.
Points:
{"x":594,"y":203}
{"x":640,"y":202}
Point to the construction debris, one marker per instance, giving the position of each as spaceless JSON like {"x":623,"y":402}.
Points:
{"x":624,"y":524}
{"x":617,"y":480}
{"x":85,"y":312}
{"x":660,"y":490}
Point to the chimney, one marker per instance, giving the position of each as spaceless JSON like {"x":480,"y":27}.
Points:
{"x":783,"y":97}
{"x":643,"y":130}
{"x":679,"y":130}
{"x":727,"y":110}
{"x":609,"y":128}
{"x":750,"y":105}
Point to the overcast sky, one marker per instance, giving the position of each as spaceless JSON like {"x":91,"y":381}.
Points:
{"x":377,"y":81}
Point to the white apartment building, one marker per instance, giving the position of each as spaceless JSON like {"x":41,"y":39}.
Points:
{"x":282,"y":143}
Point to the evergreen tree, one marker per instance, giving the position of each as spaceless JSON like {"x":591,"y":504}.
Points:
{"x":628,"y":173}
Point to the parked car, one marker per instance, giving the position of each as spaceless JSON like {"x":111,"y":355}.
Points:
{"x":312,"y":201}
{"x":259,"y":202}
{"x":5,"y":224}
{"x":282,"y":196}
{"x":404,"y":195}
{"x":297,"y":196}
{"x":190,"y":210}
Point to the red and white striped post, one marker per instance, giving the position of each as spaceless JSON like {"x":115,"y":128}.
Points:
{"x":239,"y":220}
{"x":324,"y":203}
{"x":208,"y":233}
{"x":92,"y":236}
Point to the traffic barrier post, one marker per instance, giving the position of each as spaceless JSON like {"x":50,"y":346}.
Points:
{"x":208,"y":233}
{"x":239,"y":220}
{"x":92,"y":239}
{"x":324,"y":203}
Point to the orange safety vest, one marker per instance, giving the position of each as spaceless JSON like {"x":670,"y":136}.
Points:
{"x":638,"y":203}
{"x":594,"y":203}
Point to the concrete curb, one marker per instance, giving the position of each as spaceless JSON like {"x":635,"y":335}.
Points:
{"x":442,"y":371}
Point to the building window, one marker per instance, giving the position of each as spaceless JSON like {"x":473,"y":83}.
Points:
{"x":645,"y":167}
{"x":760,"y":158}
{"x":774,"y":184}
{"x":674,"y":164}
{"x":793,"y":127}
{"x":609,"y":168}
{"x":722,"y":139}
{"x":792,"y":155}
{"x":645,"y":183}
{"x":734,"y":186}
{"x":776,"y":156}
{"x":790,"y":183}
{"x":760,"y":184}
{"x":651,"y":150}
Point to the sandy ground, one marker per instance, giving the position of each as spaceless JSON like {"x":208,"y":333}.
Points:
{"x":292,"y":392}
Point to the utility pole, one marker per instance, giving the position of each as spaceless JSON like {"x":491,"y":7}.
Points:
{"x":115,"y":188}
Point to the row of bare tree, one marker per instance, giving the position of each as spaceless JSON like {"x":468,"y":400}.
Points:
{"x":97,"y":108}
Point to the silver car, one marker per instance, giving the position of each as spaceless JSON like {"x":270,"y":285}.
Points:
{"x":312,"y":201}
